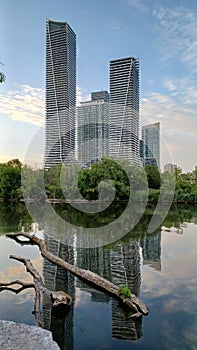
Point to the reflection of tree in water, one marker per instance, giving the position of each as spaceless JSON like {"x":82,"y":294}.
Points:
{"x":83,"y":219}
{"x":180,"y":213}
{"x":13,"y":216}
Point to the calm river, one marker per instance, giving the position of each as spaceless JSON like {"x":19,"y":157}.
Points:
{"x":160,"y":268}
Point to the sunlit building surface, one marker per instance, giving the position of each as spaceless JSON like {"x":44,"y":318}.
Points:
{"x":124,"y":109}
{"x":60,"y":93}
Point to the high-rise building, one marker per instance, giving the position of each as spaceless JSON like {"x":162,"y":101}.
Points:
{"x":60,"y":93}
{"x":124,"y":109}
{"x":100,"y":95}
{"x":93,"y":128}
{"x":170,"y":168}
{"x":151,"y":144}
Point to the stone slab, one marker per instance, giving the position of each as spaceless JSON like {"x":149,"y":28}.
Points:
{"x":19,"y":336}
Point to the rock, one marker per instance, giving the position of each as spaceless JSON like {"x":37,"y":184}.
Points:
{"x":19,"y":336}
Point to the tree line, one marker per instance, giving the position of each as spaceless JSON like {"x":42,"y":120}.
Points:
{"x":105,"y":180}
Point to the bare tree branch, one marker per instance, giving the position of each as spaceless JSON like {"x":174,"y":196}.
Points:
{"x":57,"y":297}
{"x":97,"y":281}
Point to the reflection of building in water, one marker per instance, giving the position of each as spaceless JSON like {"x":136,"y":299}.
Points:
{"x":120,"y":265}
{"x":125,"y":266}
{"x":123,"y":326}
{"x":57,"y":278}
{"x":96,"y":260}
{"x":151,"y":250}
{"x":125,"y":270}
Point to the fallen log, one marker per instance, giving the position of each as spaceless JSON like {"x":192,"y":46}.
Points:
{"x":88,"y":276}
{"x":57,"y":297}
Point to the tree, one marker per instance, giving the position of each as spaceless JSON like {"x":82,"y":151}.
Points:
{"x":10,"y":180}
{"x":69,"y":181}
{"x":32,"y":184}
{"x":52,"y":182}
{"x":105,"y":170}
{"x":153,"y":176}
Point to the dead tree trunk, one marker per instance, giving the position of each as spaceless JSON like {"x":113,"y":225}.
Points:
{"x":97,"y":281}
{"x":57,"y":297}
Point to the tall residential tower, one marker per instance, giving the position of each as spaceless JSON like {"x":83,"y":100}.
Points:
{"x":124,"y":109}
{"x":151,"y":144}
{"x":93,"y":128}
{"x":60,"y":93}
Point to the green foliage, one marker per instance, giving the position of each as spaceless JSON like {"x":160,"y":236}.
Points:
{"x":186,"y":187}
{"x":106,"y":180}
{"x":153,"y":176}
{"x":109,"y":173}
{"x":32,"y":183}
{"x":153,"y":195}
{"x":10,"y":180}
{"x":127,"y":180}
{"x":125,"y":291}
{"x":52,"y":182}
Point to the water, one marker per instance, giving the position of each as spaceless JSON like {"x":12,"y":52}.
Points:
{"x":160,"y":268}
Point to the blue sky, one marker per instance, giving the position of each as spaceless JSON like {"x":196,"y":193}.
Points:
{"x":163,"y":34}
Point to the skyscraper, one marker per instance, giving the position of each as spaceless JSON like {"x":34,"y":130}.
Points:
{"x":60,"y":93}
{"x":151,"y":144}
{"x":124,"y":109}
{"x":170,"y":168}
{"x":93,"y":128}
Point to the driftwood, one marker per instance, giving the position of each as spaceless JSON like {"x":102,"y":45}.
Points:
{"x":88,"y":276}
{"x":57,"y":297}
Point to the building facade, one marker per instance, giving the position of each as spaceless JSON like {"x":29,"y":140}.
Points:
{"x":124,"y":109}
{"x":100,"y":95}
{"x":170,"y":168}
{"x":150,"y":146}
{"x":93,"y":129}
{"x":60,"y":93}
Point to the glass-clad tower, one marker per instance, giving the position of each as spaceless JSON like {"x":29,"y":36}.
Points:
{"x":60,"y":93}
{"x":151,"y":144}
{"x":124,"y":109}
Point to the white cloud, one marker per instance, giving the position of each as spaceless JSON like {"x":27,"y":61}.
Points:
{"x":176,"y":113}
{"x":178,"y":29}
{"x":169,"y":85}
{"x":82,"y":95}
{"x":27,"y":104}
{"x":24,"y":104}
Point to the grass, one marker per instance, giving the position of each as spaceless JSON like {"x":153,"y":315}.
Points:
{"x":125,"y":291}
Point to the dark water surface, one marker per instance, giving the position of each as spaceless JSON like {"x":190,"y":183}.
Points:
{"x":160,"y":268}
